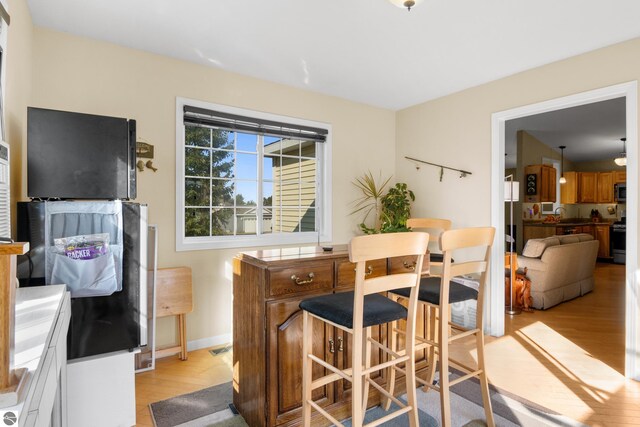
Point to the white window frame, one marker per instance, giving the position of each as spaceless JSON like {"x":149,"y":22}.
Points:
{"x":323,"y":202}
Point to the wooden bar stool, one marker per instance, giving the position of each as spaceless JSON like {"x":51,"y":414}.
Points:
{"x":439,"y":292}
{"x":174,"y":298}
{"x":435,"y":227}
{"x":356,"y":312}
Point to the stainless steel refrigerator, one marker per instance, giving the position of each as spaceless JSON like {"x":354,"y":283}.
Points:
{"x":109,"y":291}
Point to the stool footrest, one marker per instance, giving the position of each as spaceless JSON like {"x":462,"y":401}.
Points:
{"x":325,"y":413}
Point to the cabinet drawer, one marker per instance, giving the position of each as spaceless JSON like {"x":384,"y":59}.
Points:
{"x":347,"y":271}
{"x":306,"y":277}
{"x":406,"y":264}
{"x":59,"y":337}
{"x":46,"y":388}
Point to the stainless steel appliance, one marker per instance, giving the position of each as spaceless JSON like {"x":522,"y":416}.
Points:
{"x":620,"y":192}
{"x":618,"y":238}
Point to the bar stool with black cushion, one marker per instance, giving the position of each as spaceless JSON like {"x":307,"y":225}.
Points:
{"x":435,"y":227}
{"x":356,"y":312}
{"x":440,"y":292}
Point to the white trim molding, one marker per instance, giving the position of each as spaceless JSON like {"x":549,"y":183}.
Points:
{"x":496,"y":316}
{"x":324,"y":191}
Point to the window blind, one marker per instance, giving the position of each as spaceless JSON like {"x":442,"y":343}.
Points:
{"x":204,"y":117}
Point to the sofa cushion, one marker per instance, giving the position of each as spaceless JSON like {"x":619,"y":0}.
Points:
{"x":584,"y":237}
{"x":569,"y":238}
{"x":536,"y":247}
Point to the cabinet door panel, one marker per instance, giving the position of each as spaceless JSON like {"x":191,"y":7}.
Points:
{"x":588,"y":187}
{"x":285,"y":361}
{"x":605,"y":187}
{"x":602,"y":234}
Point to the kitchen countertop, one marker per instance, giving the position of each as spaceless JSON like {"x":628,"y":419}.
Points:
{"x":563,"y":223}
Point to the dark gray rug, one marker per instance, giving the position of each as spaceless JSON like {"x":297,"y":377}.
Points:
{"x":201,"y":408}
{"x":187,"y":407}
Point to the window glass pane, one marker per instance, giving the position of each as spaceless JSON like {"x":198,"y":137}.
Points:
{"x":290,"y":220}
{"x":267,"y":193}
{"x":272,"y":145}
{"x":196,"y":192}
{"x":196,"y":222}
{"x":308,"y":194}
{"x":222,"y":164}
{"x":247,"y":142}
{"x":198,"y":136}
{"x":246,"y":193}
{"x":308,"y":220}
{"x":246,"y":166}
{"x":308,"y":169}
{"x":196,"y":161}
{"x":222,"y":221}
{"x":246,"y":221}
{"x":290,"y":169}
{"x":269,"y":165}
{"x":290,"y":147}
{"x":277,"y":194}
{"x":222,"y":139}
{"x":308,"y":149}
{"x":276,"y":220}
{"x":221,"y":192}
{"x":290,"y":194}
{"x":267,"y":220}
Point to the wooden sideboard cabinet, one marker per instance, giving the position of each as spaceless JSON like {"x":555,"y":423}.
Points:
{"x":267,"y":332}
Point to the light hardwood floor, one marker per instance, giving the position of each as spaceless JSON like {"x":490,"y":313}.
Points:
{"x":569,"y":359}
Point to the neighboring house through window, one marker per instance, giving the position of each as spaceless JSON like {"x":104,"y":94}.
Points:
{"x":246,"y":178}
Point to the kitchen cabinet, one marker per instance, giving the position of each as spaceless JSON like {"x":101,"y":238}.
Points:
{"x":619,"y":177}
{"x":569,"y":190}
{"x":602,"y":235}
{"x":605,"y":181}
{"x":268,"y":286}
{"x":540,"y":183}
{"x":587,"y":187}
{"x":536,"y":232}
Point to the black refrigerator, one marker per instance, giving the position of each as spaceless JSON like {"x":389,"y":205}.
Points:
{"x":109,"y":291}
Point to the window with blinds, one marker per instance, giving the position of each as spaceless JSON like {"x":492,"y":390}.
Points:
{"x":248,"y":180}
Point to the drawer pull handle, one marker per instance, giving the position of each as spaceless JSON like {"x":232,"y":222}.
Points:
{"x":409,"y":265}
{"x":369,"y":270}
{"x":300,"y":281}
{"x":340,"y":344}
{"x":332,"y":347}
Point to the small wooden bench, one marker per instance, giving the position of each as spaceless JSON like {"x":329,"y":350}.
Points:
{"x":174,"y":297}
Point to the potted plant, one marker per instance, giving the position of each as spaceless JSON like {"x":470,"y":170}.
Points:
{"x":391,"y":209}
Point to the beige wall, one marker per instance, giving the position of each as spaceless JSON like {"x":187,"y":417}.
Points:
{"x":18,"y":92}
{"x":79,"y":74}
{"x":597,"y":166}
{"x":456,"y":130}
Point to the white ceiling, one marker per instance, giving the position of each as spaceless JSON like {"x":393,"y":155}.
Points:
{"x":363,"y":50}
{"x":590,"y":132}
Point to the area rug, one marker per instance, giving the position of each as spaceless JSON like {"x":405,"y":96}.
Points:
{"x":211,"y":408}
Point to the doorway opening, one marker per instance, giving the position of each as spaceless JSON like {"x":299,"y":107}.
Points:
{"x":628,"y":91}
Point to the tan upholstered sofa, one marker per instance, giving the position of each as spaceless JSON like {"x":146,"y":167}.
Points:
{"x":560,"y":267}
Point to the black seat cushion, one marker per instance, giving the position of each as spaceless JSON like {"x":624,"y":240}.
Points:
{"x":338,"y":308}
{"x":430,"y":291}
{"x":437,"y":257}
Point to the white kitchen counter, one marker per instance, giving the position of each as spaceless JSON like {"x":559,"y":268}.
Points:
{"x":42,"y":321}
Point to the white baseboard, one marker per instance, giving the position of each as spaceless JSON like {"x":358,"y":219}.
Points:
{"x":208,"y":342}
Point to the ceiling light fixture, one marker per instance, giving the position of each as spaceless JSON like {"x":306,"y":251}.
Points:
{"x":405,"y":3}
{"x":622,"y":159}
{"x":562,"y":179}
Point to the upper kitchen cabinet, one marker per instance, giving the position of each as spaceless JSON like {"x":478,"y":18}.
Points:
{"x":569,"y":190}
{"x":605,"y":187}
{"x":619,"y":177}
{"x":540,"y":183}
{"x":587,"y":187}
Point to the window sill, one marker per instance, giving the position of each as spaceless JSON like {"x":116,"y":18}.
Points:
{"x":236,"y":242}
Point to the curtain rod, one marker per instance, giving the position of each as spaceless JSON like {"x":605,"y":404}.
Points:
{"x":463,"y":173}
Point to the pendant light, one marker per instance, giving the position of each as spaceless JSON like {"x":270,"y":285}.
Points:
{"x":622,"y":159}
{"x":562,"y":179}
{"x":405,"y":3}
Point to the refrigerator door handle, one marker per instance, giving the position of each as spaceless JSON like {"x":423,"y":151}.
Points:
{"x":144,"y":268}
